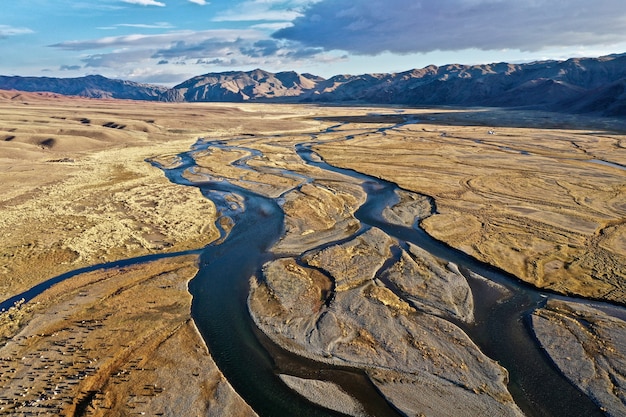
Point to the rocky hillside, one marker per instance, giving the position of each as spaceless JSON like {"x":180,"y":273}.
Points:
{"x":242,"y":86}
{"x":92,"y":86}
{"x":578,"y":85}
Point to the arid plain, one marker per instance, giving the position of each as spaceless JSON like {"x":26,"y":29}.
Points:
{"x":539,"y":196}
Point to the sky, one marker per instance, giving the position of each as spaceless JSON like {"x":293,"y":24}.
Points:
{"x":168,"y":41}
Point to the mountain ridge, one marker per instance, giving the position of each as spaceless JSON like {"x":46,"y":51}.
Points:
{"x":576,"y":85}
{"x":90,"y":86}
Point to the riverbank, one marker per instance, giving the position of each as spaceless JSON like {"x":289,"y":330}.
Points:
{"x":114,"y":342}
{"x":76,"y":190}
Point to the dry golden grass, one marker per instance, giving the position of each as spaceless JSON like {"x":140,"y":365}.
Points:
{"x":529,"y":197}
{"x":75,"y":189}
{"x":113,"y":343}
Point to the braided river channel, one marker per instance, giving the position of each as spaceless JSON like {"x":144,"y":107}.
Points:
{"x":241,"y":352}
{"x":251,"y":362}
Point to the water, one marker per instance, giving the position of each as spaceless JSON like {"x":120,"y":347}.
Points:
{"x":500,"y":328}
{"x":219,"y":310}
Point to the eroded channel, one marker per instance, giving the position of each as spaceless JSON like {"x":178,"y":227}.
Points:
{"x":501,"y":323}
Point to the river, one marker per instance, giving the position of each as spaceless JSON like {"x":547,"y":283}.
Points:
{"x":251,"y":361}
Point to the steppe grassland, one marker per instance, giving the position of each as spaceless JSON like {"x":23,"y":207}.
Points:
{"x":525,"y":191}
{"x":76,"y":190}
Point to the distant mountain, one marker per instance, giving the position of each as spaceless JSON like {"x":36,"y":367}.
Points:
{"x":93,"y":86}
{"x":577,"y":85}
{"x":553,"y":85}
{"x":242,"y":86}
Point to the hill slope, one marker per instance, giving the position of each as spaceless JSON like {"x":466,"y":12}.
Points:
{"x":92,"y":86}
{"x":242,"y":86}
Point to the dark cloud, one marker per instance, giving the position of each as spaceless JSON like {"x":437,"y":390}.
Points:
{"x":266,"y":47}
{"x":214,"y":50}
{"x":304,"y":53}
{"x":401,"y":26}
{"x":216,"y":61}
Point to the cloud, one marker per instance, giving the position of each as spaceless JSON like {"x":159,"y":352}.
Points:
{"x":156,"y":40}
{"x":145,"y":2}
{"x":154,"y":77}
{"x":265,"y":47}
{"x":273,"y":26}
{"x":91,"y":6}
{"x":157,"y":25}
{"x":200,"y":2}
{"x":371,"y":27}
{"x":212,"y":47}
{"x":196,"y":50}
{"x":6,"y":31}
{"x":69,"y":67}
{"x":117,"y":59}
{"x":260,"y":10}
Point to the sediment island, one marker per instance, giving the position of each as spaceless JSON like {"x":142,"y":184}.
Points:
{"x":278,"y":259}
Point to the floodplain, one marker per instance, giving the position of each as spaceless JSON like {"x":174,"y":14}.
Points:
{"x":400,"y":232}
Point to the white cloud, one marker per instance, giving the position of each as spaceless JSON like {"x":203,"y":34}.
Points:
{"x":145,"y":2}
{"x":158,"y":25}
{"x":156,"y":41}
{"x":200,"y":2}
{"x":260,"y":10}
{"x":195,"y":50}
{"x":6,"y":31}
{"x":274,"y":26}
{"x":400,"y":26}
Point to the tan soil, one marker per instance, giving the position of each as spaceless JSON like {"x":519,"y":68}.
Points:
{"x":589,"y":347}
{"x":325,"y":394}
{"x":76,"y":190}
{"x":113,"y":343}
{"x":413,"y":358}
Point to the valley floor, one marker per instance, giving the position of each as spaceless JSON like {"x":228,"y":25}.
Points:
{"x":538,"y":195}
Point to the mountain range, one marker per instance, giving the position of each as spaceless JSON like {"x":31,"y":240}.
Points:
{"x":577,"y":85}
